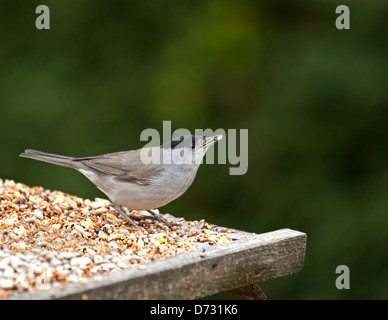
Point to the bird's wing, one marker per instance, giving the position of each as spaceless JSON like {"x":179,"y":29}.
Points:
{"x":124,"y":166}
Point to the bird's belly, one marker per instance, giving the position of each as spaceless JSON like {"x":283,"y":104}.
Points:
{"x":141,"y":197}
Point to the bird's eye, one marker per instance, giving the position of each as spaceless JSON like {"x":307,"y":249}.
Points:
{"x":192,"y":146}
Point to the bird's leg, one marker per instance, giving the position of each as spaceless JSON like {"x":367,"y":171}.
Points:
{"x":160,"y":219}
{"x":120,"y":210}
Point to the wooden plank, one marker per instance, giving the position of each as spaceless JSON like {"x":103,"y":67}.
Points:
{"x":207,"y":271}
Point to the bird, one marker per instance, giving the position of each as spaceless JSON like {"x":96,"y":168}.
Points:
{"x":142,"y":179}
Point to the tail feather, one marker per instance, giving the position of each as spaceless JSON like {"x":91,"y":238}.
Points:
{"x":49,"y":157}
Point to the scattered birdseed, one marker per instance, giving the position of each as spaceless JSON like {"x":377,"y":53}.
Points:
{"x":50,"y":238}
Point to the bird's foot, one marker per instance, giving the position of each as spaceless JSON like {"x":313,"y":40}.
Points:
{"x":158,"y":217}
{"x":120,"y":210}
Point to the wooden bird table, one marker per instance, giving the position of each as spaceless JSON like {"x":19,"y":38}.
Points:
{"x":235,"y":267}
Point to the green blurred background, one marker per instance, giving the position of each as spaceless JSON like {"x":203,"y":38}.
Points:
{"x":314,"y":99}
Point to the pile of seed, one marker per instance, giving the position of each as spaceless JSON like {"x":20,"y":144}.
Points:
{"x":50,"y":238}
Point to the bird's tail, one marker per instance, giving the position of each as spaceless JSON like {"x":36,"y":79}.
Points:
{"x":50,"y":158}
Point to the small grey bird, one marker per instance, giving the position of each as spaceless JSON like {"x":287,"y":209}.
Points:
{"x":142,"y":179}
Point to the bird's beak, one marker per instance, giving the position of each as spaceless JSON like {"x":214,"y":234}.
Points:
{"x":211,"y":140}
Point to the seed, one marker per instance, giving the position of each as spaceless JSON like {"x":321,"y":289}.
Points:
{"x":98,"y":259}
{"x":140,"y":243}
{"x":55,"y":262}
{"x":87,"y":223}
{"x":8,"y":272}
{"x":38,"y":214}
{"x":6,"y":283}
{"x":64,"y":205}
{"x":108,"y":266}
{"x":156,"y":243}
{"x":124,"y":232}
{"x":91,"y":252}
{"x":113,"y":244}
{"x":79,"y":228}
{"x":56,"y":226}
{"x":212,"y":237}
{"x":57,"y":200}
{"x":101,"y":210}
{"x":21,"y":230}
{"x":72,"y":203}
{"x":80,"y":261}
